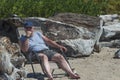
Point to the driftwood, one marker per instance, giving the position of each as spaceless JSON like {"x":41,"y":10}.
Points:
{"x":10,"y":61}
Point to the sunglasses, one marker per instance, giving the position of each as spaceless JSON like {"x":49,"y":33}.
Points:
{"x":28,"y":27}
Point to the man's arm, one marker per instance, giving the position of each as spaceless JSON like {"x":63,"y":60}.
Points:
{"x":53,"y":43}
{"x":24,"y":45}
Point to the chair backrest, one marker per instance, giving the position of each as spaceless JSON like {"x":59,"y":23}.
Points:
{"x":22,"y":32}
{"x":33,"y":58}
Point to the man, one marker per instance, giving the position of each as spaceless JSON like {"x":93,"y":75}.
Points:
{"x":36,"y":42}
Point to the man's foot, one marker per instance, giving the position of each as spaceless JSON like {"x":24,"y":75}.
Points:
{"x":50,"y":79}
{"x":75,"y":76}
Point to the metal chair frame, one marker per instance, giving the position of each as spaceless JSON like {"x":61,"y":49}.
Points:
{"x":29,"y":58}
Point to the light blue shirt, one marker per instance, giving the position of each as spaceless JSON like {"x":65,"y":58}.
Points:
{"x":36,"y":42}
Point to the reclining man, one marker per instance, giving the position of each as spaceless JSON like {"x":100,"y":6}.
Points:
{"x":36,"y":42}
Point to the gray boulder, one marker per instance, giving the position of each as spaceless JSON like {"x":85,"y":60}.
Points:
{"x":79,"y":33}
{"x":111,"y":32}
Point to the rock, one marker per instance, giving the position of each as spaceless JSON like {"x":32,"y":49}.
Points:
{"x":77,"y":19}
{"x":83,"y":30}
{"x":110,"y":19}
{"x":5,"y":64}
{"x":9,"y":53}
{"x":117,"y":54}
{"x":8,"y":28}
{"x":16,"y":57}
{"x":111,"y":44}
{"x":75,"y":28}
{"x":110,"y":32}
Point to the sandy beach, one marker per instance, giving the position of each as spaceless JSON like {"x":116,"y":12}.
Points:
{"x":98,"y":66}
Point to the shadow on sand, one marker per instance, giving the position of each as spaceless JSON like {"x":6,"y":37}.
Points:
{"x":38,"y":76}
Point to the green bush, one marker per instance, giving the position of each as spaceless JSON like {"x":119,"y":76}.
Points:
{"x":46,"y":8}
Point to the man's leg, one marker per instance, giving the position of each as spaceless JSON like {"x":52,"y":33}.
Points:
{"x":64,"y":65}
{"x":46,"y":65}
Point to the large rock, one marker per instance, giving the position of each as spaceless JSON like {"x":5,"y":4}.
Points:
{"x":79,"y":33}
{"x":111,"y":31}
{"x":110,"y":19}
{"x":8,"y":28}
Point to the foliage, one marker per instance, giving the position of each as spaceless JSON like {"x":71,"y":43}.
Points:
{"x":114,"y":6}
{"x":46,"y":8}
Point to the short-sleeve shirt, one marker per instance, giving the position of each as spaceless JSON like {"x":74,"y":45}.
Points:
{"x":36,"y":42}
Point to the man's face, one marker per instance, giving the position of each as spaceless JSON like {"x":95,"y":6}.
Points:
{"x":29,"y":29}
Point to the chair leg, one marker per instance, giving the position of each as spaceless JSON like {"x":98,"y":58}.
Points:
{"x":25,"y":63}
{"x":32,"y":66}
{"x":33,"y":69}
{"x":52,"y":71}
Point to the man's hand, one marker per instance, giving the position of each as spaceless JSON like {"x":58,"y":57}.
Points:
{"x":62,"y":48}
{"x":28,"y":33}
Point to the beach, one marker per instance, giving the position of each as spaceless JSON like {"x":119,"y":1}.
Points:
{"x":98,"y":66}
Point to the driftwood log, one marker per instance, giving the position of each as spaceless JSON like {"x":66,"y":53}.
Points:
{"x":10,"y":61}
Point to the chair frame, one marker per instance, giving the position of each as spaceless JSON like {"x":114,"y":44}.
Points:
{"x":29,"y":57}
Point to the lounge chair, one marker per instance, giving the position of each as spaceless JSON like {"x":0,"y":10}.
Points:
{"x":33,"y":59}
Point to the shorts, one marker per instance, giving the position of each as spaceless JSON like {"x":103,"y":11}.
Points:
{"x":48,"y":53}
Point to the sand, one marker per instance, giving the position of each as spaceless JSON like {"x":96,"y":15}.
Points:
{"x":98,"y":66}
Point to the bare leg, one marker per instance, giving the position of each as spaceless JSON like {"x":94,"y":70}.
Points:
{"x":64,"y":65}
{"x":46,"y":66}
